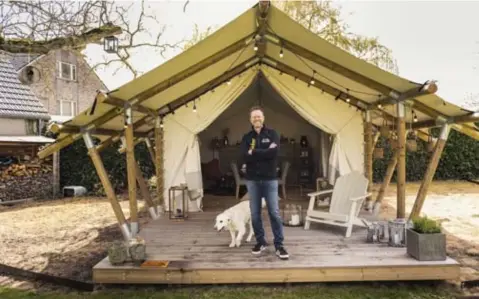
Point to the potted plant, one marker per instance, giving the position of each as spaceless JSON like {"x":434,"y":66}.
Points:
{"x":425,"y":240}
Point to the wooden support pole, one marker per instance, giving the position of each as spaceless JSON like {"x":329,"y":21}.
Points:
{"x":368,"y":154}
{"x":401,"y":164}
{"x":131,"y":169}
{"x":142,"y":184}
{"x":431,"y":169}
{"x":145,"y":192}
{"x":105,"y":181}
{"x":387,"y":179}
{"x":149,"y":146}
{"x":160,"y":188}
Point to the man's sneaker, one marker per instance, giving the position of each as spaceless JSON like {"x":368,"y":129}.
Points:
{"x":282,"y":253}
{"x":258,"y":248}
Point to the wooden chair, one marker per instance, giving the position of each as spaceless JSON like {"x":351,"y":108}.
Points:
{"x":238,"y":180}
{"x":284,"y":174}
{"x":347,"y":197}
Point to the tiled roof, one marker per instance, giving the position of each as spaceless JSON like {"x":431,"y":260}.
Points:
{"x":16,"y":99}
{"x":20,"y":60}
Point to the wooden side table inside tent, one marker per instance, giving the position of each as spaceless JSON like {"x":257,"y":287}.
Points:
{"x":175,"y":213}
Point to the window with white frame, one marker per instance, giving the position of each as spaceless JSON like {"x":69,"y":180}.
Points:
{"x":67,"y":71}
{"x":66,"y":108}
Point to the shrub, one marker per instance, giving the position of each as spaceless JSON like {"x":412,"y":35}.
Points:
{"x":424,"y":225}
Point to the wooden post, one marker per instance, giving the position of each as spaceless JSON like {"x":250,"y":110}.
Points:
{"x":368,"y":155}
{"x":105,"y":181}
{"x":387,"y":179}
{"x":401,"y":164}
{"x":159,"y":164}
{"x":145,"y":192}
{"x":149,"y":146}
{"x":131,"y":169}
{"x":431,"y":169}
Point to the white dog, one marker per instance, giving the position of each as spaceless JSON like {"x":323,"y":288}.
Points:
{"x":235,"y":219}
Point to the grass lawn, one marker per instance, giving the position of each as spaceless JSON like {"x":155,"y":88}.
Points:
{"x":337,"y":291}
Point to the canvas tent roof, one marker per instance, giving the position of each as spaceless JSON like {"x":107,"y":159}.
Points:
{"x":229,"y":52}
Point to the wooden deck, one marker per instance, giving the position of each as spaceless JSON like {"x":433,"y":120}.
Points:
{"x":197,"y":254}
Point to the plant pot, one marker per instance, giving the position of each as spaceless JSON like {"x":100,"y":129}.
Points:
{"x":378,"y":153}
{"x":411,"y":145}
{"x":426,"y":247}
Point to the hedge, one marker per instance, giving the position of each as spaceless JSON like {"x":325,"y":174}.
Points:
{"x":460,"y":161}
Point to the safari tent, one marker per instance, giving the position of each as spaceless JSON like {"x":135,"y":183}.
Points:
{"x":335,"y":92}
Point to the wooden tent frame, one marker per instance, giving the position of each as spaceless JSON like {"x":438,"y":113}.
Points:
{"x":463,"y":124}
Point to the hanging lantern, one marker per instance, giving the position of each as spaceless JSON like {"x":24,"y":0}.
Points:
{"x":384,"y":130}
{"x":110,"y":44}
{"x":394,"y":141}
{"x":411,"y":142}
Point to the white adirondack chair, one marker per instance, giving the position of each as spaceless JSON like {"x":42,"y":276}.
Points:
{"x":347,"y":197}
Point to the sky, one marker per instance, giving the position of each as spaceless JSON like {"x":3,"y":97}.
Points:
{"x":431,"y":40}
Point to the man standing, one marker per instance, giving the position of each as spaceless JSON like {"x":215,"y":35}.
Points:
{"x":259,"y":149}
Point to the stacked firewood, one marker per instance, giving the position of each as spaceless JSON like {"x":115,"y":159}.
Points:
{"x":24,"y":170}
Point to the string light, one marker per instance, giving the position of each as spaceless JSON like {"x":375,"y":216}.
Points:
{"x":347,"y":96}
{"x":228,"y":82}
{"x":194,"y":106}
{"x":414,"y":116}
{"x":312,"y":78}
{"x":255,"y":47}
{"x":281,"y":54}
{"x":161,"y":122}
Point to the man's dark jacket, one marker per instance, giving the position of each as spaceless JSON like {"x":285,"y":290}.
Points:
{"x":262,"y":163}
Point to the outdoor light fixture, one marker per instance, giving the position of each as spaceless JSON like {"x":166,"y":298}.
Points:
{"x":228,"y":82}
{"x":110,"y":44}
{"x":312,"y":78}
{"x":281,"y":53}
{"x":194,"y":106}
{"x":255,"y":47}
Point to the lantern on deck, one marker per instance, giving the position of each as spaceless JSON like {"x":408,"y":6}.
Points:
{"x":397,"y":232}
{"x":178,"y":211}
{"x":110,"y":44}
{"x":292,"y":215}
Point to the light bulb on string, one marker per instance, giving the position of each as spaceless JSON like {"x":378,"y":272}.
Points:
{"x":281,"y":53}
{"x":194,"y":106}
{"x":161,"y":122}
{"x":380,"y":106}
{"x":347,"y":95}
{"x":228,"y":82}
{"x":255,"y":47}
{"x":414,"y":116}
{"x":312,"y":78}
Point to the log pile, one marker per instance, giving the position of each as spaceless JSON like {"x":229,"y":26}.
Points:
{"x":26,"y":179}
{"x":24,"y":170}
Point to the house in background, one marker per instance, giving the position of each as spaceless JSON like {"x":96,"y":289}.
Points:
{"x":22,"y":117}
{"x":63,"y":82}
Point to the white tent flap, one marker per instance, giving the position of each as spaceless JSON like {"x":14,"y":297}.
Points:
{"x":182,"y":150}
{"x":334,"y":117}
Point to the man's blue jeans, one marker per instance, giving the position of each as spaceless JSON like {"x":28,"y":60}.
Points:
{"x":269,"y":190}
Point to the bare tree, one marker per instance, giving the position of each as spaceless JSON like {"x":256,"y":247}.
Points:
{"x":38,"y":26}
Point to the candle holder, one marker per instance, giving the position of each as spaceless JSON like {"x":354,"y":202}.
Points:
{"x":176,"y":212}
{"x":292,"y":215}
{"x":397,"y":232}
{"x":378,"y":232}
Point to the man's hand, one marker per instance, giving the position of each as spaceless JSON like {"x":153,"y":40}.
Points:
{"x":273,"y":145}
{"x":250,"y":152}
